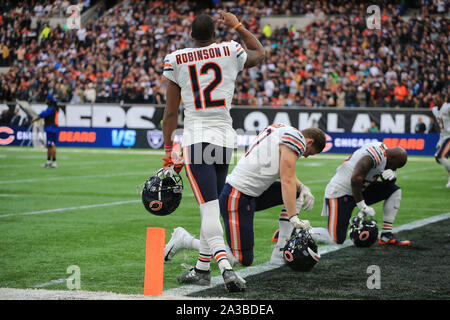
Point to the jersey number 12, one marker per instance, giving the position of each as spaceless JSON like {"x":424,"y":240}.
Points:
{"x":204,"y":96}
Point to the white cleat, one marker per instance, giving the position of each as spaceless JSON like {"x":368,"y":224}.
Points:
{"x":178,"y":242}
{"x":277,"y":258}
{"x":53,"y":165}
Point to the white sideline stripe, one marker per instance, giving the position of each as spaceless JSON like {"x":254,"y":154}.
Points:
{"x":254,"y":270}
{"x":71,"y":163}
{"x":161,"y":152}
{"x":70,"y":208}
{"x":86,"y":150}
{"x":74,"y":177}
{"x":130,"y":173}
{"x":45,"y":284}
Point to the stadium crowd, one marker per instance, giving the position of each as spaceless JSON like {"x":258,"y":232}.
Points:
{"x":335,"y":61}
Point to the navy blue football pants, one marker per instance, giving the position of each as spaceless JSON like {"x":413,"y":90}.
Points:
{"x":237,"y":210}
{"x":206,"y":168}
{"x":340,"y":209}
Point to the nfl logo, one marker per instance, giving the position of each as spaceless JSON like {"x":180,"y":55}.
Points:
{"x":155,"y":138}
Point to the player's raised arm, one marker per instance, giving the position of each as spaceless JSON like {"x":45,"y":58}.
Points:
{"x":255,"y":50}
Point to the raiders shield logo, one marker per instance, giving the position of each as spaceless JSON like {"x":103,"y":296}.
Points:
{"x":155,"y":138}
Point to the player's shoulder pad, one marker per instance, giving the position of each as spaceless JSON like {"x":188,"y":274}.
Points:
{"x":236,"y":47}
{"x":169,"y":62}
{"x":293,"y":139}
{"x":377,"y":151}
{"x":446,"y":108}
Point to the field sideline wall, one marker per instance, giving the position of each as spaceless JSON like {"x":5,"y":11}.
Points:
{"x":139,"y":126}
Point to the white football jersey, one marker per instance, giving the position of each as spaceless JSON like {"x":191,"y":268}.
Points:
{"x":340,"y":184}
{"x":259,"y":167}
{"x":443,"y":118}
{"x":207,"y":76}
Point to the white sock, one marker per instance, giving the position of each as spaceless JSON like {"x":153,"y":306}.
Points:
{"x":212,"y":231}
{"x":390,"y":209}
{"x":445,"y":163}
{"x":285,"y":230}
{"x":194,"y":244}
{"x":204,"y":255}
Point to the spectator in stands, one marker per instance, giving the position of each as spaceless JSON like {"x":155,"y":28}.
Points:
{"x":15,"y":120}
{"x":20,"y":54}
{"x":4,"y":55}
{"x":420,"y":126}
{"x":350,"y":96}
{"x":77,"y":97}
{"x":433,"y":127}
{"x":7,"y":115}
{"x":400,"y":94}
{"x":373,"y":128}
{"x":89,"y":93}
{"x":135,"y":35}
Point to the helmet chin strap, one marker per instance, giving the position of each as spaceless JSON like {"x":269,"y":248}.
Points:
{"x":314,"y":255}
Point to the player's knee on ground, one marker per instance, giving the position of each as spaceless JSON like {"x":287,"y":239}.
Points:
{"x":339,"y":241}
{"x":339,"y":236}
{"x":246,"y":258}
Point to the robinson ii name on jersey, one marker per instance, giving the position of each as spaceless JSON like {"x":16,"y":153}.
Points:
{"x":206,"y":76}
{"x":259,"y":167}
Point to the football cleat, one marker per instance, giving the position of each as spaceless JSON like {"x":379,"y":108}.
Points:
{"x":194,"y":276}
{"x":233,"y":282}
{"x":277,"y":257}
{"x":387,"y":238}
{"x":54,"y":165}
{"x":178,"y":242}
{"x":275,"y":235}
{"x":46,"y":165}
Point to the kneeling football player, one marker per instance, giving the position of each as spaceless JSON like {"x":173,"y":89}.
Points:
{"x":253,"y":186}
{"x":356,"y":184}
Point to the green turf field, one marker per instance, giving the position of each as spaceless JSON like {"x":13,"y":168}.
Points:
{"x":88,"y":213}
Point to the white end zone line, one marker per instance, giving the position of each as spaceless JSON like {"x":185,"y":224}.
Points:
{"x":254,"y":270}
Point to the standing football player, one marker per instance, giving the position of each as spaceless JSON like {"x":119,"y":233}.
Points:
{"x":50,"y":116}
{"x":253,"y":186}
{"x":442,"y":115}
{"x":204,"y":77}
{"x":356,"y":184}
